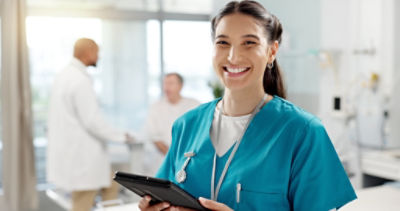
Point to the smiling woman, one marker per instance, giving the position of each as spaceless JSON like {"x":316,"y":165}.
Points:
{"x":256,"y":150}
{"x":258,"y":41}
{"x":242,"y":52}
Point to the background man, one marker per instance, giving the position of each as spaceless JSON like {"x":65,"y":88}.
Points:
{"x":162,"y":115}
{"x":77,"y":153}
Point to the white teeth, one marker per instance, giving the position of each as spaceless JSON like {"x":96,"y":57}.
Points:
{"x":236,"y":70}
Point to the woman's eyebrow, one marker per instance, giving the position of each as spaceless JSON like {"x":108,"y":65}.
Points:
{"x":251,"y":36}
{"x":244,"y":36}
{"x":221,"y":36}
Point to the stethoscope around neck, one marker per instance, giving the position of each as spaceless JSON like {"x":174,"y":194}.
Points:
{"x":181,"y":175}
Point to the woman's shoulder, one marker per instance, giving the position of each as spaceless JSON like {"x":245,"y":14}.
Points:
{"x":293,"y":114}
{"x":298,"y":124}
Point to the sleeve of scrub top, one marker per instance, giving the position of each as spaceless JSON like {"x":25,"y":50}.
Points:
{"x":91,"y":117}
{"x":318,"y":180}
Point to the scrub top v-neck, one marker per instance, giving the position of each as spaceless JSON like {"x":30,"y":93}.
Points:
{"x":285,"y":161}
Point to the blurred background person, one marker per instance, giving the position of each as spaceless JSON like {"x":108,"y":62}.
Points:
{"x":162,"y":115}
{"x":78,"y":133}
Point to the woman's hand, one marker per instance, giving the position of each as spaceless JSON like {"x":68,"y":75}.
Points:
{"x":213,"y":205}
{"x":144,"y":205}
{"x":210,"y":204}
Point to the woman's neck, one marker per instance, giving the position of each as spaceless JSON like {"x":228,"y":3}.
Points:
{"x":242,"y":102}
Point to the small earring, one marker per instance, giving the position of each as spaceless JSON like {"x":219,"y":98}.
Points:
{"x":270,"y":65}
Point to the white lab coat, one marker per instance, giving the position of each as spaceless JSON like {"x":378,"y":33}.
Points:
{"x":158,"y":126}
{"x":77,"y":156}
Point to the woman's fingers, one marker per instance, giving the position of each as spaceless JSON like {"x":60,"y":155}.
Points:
{"x":172,"y":208}
{"x":144,"y":204}
{"x":160,"y":206}
{"x":213,"y":205}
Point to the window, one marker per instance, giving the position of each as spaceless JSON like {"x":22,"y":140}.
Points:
{"x":142,"y":5}
{"x":189,"y":6}
{"x":122,"y":68}
{"x":188,"y":51}
{"x":153,"y":60}
{"x":129,"y":59}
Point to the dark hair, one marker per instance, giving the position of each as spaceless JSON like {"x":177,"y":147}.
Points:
{"x":273,"y":80}
{"x":177,"y":75}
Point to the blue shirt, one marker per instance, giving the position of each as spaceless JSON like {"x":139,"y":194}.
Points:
{"x":285,"y":161}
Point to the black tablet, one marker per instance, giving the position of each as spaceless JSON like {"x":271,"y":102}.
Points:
{"x":160,"y":190}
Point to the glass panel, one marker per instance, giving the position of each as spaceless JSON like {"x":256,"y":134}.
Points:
{"x":179,"y":6}
{"x":144,"y":5}
{"x":153,"y":60}
{"x":189,"y":53}
{"x":124,"y":72}
{"x":122,"y":67}
{"x":188,"y":6}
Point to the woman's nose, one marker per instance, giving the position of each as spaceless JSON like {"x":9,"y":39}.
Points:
{"x":234,"y":55}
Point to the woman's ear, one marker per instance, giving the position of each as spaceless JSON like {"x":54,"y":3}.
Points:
{"x":272,"y":52}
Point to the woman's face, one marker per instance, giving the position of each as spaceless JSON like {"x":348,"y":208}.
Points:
{"x":241,"y":52}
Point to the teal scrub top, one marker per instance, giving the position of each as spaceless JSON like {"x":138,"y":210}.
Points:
{"x":285,"y":161}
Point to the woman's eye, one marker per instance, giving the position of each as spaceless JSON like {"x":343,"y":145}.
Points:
{"x":249,"y":43}
{"x":221,"y":42}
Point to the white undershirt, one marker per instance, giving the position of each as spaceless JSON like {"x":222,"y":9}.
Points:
{"x":231,"y":129}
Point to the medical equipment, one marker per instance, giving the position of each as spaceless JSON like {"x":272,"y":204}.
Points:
{"x":181,"y":175}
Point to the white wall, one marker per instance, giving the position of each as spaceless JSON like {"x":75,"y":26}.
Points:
{"x":301,"y":21}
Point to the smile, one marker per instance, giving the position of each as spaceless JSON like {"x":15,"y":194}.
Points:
{"x":236,"y":70}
